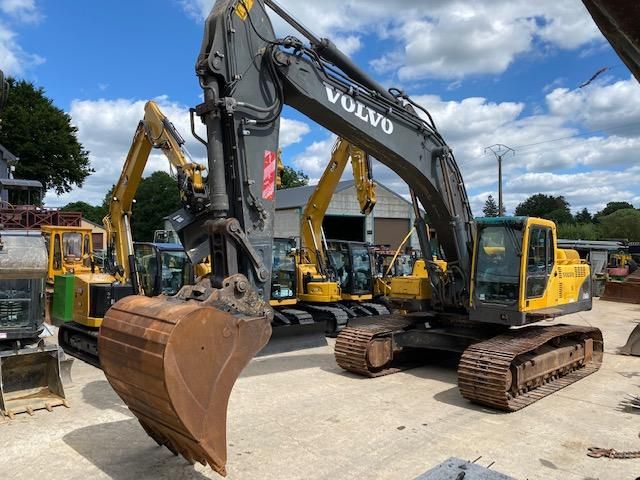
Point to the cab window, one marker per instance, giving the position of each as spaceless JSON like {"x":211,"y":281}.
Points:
{"x":86,"y":250}
{"x":57,"y":252}
{"x":147,"y":266}
{"x":540,"y":260}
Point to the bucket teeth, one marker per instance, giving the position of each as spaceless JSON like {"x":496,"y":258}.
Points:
{"x":30,"y":380}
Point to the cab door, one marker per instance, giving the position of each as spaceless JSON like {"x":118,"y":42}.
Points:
{"x":540,"y":261}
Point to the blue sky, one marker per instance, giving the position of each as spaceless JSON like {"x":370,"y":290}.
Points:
{"x":489,"y":72}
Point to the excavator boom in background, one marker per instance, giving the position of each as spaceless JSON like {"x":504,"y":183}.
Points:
{"x":173,"y":360}
{"x":141,"y":268}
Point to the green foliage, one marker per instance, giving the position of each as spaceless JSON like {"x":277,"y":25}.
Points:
{"x":624,"y":223}
{"x":560,"y":215}
{"x":579,"y":231}
{"x":583,"y":216}
{"x":92,"y":213}
{"x":41,"y":135}
{"x":612,"y":207}
{"x":490,"y":208}
{"x":546,"y":206}
{"x":157,"y":197}
{"x":293,"y":178}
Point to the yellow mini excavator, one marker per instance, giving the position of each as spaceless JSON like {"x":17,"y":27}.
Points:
{"x":141,"y":268}
{"x":174,"y":360}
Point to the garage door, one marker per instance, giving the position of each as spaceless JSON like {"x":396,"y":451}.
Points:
{"x":390,"y":231}
{"x":338,"y":227}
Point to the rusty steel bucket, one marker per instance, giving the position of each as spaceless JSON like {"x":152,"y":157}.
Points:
{"x":174,"y":363}
{"x":625,"y":292}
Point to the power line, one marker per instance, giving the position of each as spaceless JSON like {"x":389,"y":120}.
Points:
{"x":576,"y":135}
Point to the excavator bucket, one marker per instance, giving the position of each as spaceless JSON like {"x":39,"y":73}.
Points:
{"x":174,"y":363}
{"x":627,"y":291}
{"x":632,"y":347}
{"x":30,"y":380}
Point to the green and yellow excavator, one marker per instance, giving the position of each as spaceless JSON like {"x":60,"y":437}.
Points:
{"x":131,"y":268}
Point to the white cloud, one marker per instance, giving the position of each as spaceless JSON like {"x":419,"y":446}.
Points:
{"x":13,"y":59}
{"x":455,"y":46}
{"x":441,"y":39}
{"x":553,"y":156}
{"x":315,"y":158}
{"x":106,"y":128}
{"x":292,"y":131}
{"x":600,"y":106}
{"x":22,"y":10}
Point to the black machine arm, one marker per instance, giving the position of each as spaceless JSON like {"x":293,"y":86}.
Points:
{"x":248,"y":76}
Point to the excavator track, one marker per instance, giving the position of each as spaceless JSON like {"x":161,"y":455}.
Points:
{"x":513,"y":370}
{"x":354,"y":352}
{"x":80,"y":342}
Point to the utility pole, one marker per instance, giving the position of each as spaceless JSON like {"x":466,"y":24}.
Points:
{"x":499,"y":150}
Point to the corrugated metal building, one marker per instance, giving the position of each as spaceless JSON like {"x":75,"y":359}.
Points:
{"x":388,"y":224}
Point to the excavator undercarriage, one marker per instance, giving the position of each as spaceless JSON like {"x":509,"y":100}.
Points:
{"x":503,"y":368}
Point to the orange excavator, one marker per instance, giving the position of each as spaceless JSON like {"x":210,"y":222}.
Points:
{"x":174,"y":360}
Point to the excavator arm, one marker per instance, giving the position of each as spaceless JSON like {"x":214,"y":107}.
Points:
{"x":318,"y":204}
{"x":154,"y":131}
{"x":240,"y":52}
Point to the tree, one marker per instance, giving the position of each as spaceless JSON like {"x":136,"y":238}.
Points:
{"x":92,"y":213}
{"x":583,"y":216}
{"x":293,"y":178}
{"x":624,"y":223}
{"x":490,"y":208}
{"x":560,"y":215}
{"x":578,"y":231}
{"x":546,"y":206}
{"x":612,"y":207}
{"x":157,"y":197}
{"x":42,"y":136}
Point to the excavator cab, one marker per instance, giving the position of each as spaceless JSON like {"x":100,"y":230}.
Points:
{"x":351,"y":263}
{"x":283,"y":275}
{"x":521,"y":276}
{"x":70,"y":250}
{"x":163,"y":268}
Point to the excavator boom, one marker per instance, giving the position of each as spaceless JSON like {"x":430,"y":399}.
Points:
{"x":316,"y":208}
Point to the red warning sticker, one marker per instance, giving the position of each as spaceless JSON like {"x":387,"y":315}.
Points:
{"x":269,"y":179}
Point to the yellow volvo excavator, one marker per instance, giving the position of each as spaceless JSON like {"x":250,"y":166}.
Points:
{"x":174,"y":360}
{"x":141,"y":268}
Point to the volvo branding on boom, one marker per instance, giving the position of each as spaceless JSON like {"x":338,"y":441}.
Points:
{"x":360,"y":110}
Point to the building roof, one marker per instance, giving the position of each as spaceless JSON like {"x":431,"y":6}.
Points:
{"x":90,"y":222}
{"x":7,"y":155}
{"x":19,"y":183}
{"x":298,"y":197}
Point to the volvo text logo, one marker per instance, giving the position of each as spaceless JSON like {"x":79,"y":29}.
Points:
{"x":361,"y":111}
